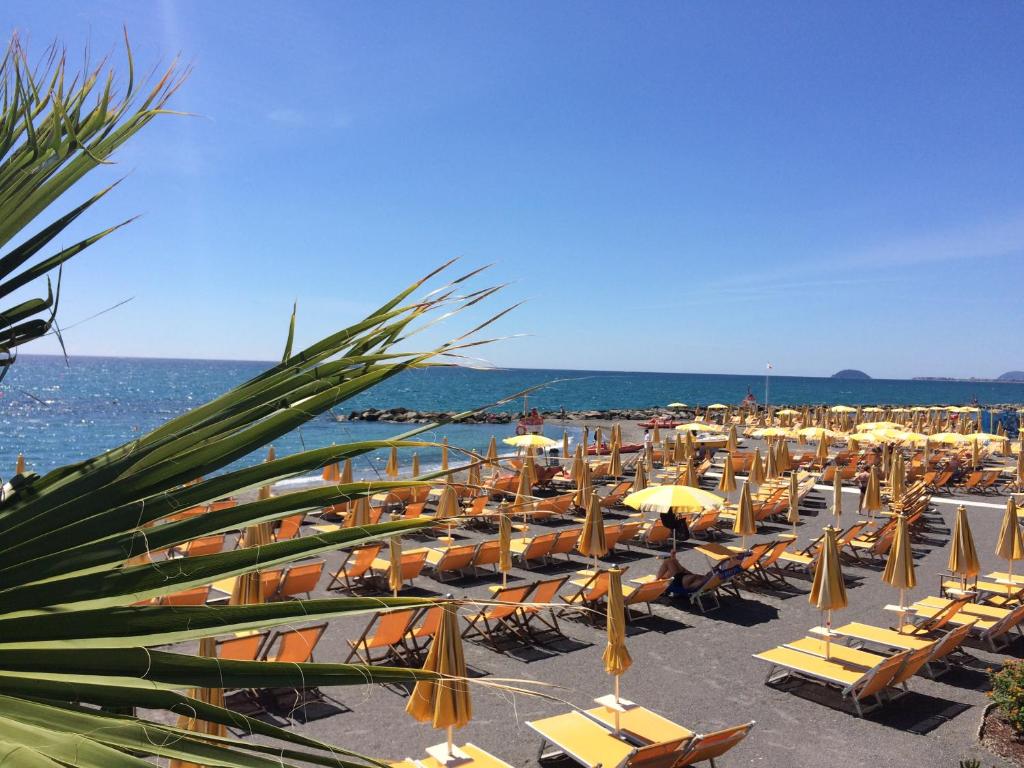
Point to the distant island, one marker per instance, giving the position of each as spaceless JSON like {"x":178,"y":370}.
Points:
{"x":850,"y":373}
{"x":1012,"y":376}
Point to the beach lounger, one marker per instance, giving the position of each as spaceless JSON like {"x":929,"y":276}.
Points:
{"x":289,"y":527}
{"x":474,"y":758}
{"x":628,"y":533}
{"x":540,"y":607}
{"x":616,"y":495}
{"x":455,"y":560}
{"x":300,"y":580}
{"x":412,"y":564}
{"x":427,"y":624}
{"x":244,"y":647}
{"x":295,"y":646}
{"x":487,"y":555}
{"x":494,"y":623}
{"x":852,"y":681}
{"x":590,"y":593}
{"x":357,"y":565}
{"x":941,"y":649}
{"x":704,"y":522}
{"x":384,"y":638}
{"x":204,"y":545}
{"x":556,"y":505}
{"x":194,"y":596}
{"x":591,"y":744}
{"x":655,"y":534}
{"x":565,"y":543}
{"x":642,"y":595}
{"x":990,"y":625}
{"x":913,"y":661}
{"x":534,"y":548}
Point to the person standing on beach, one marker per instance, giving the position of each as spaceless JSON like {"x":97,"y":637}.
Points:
{"x":648,"y":444}
{"x":862,"y":478}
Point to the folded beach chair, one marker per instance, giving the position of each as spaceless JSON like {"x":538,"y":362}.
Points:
{"x":591,"y":744}
{"x":384,"y":638}
{"x":494,"y":623}
{"x":852,"y":681}
{"x":357,"y":565}
{"x":300,"y":580}
{"x":533,"y":549}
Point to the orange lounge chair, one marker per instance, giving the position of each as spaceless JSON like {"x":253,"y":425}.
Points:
{"x":494,"y":623}
{"x":357,"y":566}
{"x":387,"y":643}
{"x":300,"y":580}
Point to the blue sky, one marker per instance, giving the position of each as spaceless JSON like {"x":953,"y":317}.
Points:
{"x":670,"y":186}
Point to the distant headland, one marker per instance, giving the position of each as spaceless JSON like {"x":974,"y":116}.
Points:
{"x":850,"y":373}
{"x":1010,"y":377}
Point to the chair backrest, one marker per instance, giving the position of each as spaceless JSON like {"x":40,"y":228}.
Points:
{"x":597,"y":587}
{"x":851,"y":533}
{"x":477,"y":505}
{"x":612,"y":534}
{"x":657,"y":532}
{"x":487,"y":553}
{"x":392,"y":626}
{"x":951,"y":641}
{"x":205,"y":545}
{"x":713,"y":582}
{"x":539,"y":546}
{"x":243,"y":648}
{"x":412,"y":564}
{"x":917,"y":659}
{"x":363,"y":557}
{"x":704,"y":521}
{"x":630,"y":530}
{"x":297,"y":645}
{"x":194,"y":596}
{"x":512,"y":595}
{"x":413,"y":510}
{"x":880,"y":677}
{"x":300,"y":579}
{"x":756,"y":553}
{"x":546,"y":591}
{"x":940,"y":619}
{"x":270,"y":581}
{"x":290,"y":526}
{"x":1008,"y":622}
{"x":713,"y":745}
{"x":217,"y":506}
{"x":566,"y":541}
{"x":647,"y":591}
{"x":430,"y":622}
{"x":661,"y":755}
{"x":456,"y":558}
{"x":973,"y":479}
{"x":778,"y":547}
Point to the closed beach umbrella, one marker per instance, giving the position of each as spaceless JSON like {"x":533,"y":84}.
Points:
{"x":586,"y":439}
{"x":963,"y":557}
{"x":504,"y":547}
{"x":615,"y":463}
{"x":565,"y":445}
{"x":448,"y":507}
{"x":690,"y":474}
{"x":391,"y":470}
{"x":592,"y":542}
{"x":744,"y":525}
{"x":248,"y":588}
{"x":214,"y":696}
{"x":975,"y":454}
{"x":785,"y":460}
{"x":444,"y":702}
{"x":583,"y":486}
{"x":523,"y":495}
{"x":756,"y":475}
{"x":793,"y":517}
{"x":828,"y":592}
{"x":772,"y":470}
{"x":19,"y":466}
{"x":1020,"y":465}
{"x":577,"y":467}
{"x":656,"y":435}
{"x":852,"y":443}
{"x":886,"y":461}
{"x":873,"y":497}
{"x":822,"y":453}
{"x":681,"y":452}
{"x":1011,"y":545}
{"x":395,"y":573}
{"x":732,"y":442}
{"x":359,"y":515}
{"x":899,"y":565}
{"x":837,"y":495}
{"x":444,"y":455}
{"x":473,"y":477}
{"x":530,"y":469}
{"x":415,"y":465}
{"x":667,"y":452}
{"x":640,"y":478}
{"x":346,"y":472}
{"x":727,"y":482}
{"x":492,"y":451}
{"x":897,"y":478}
{"x":616,"y":657}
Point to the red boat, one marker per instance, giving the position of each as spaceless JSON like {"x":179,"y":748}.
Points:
{"x":592,"y":450}
{"x":666,"y":423}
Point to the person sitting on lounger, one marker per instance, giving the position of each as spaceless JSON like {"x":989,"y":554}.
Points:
{"x":685,"y":582}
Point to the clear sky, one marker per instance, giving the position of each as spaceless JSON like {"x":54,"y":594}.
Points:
{"x":671,"y":186}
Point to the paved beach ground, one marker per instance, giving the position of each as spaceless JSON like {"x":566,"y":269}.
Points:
{"x":698,"y":670}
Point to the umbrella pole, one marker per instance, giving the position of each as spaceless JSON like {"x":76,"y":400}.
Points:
{"x":617,"y":704}
{"x":828,"y":634}
{"x":903,"y":606}
{"x":1009,"y":572}
{"x":450,"y":742}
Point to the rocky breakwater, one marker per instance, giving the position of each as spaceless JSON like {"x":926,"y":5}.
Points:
{"x":408,"y":416}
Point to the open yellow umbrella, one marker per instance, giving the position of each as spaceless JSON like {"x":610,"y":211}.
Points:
{"x":592,"y":542}
{"x":744,"y":525}
{"x":615,"y":463}
{"x":732,"y":442}
{"x":391,"y":470}
{"x":727,"y":482}
{"x":395,"y":573}
{"x":793,"y":516}
{"x":616,"y":657}
{"x":963,"y":557}
{"x":899,"y":565}
{"x":828,"y":592}
{"x":444,"y":702}
{"x":842,"y":409}
{"x":837,"y":495}
{"x":756,"y":475}
{"x":504,"y":547}
{"x":19,"y":466}
{"x":873,"y":496}
{"x":640,"y":478}
{"x":771,"y":432}
{"x":678,"y":498}
{"x":975,"y":454}
{"x":1011,"y":544}
{"x":531,"y":441}
{"x":699,"y":426}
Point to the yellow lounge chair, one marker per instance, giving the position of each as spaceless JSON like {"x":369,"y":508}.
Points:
{"x":591,"y":744}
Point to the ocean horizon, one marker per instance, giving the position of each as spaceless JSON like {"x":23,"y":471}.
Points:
{"x":56,"y":412}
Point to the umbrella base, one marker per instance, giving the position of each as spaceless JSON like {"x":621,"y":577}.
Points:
{"x":456,"y":757}
{"x":616,"y":705}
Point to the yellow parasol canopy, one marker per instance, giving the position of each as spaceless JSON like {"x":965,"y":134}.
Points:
{"x":787,"y":412}
{"x":837,"y":495}
{"x":949,"y":438}
{"x":727,"y":482}
{"x":19,"y":465}
{"x":346,"y":472}
{"x":771,"y":470}
{"x":447,"y":504}
{"x":676,"y":405}
{"x":699,"y":426}
{"x":963,"y":557}
{"x":444,"y":454}
{"x":415,"y":464}
{"x":681,"y":498}
{"x":531,"y":441}
{"x":504,"y":546}
{"x":772,"y":432}
{"x":842,"y":409}
{"x":615,"y":462}
{"x":492,"y":451}
{"x":359,"y":513}
{"x":871,"y":426}
{"x":717,"y":407}
{"x":1011,"y":543}
{"x":592,"y":542}
{"x":817,"y":433}
{"x":793,"y":516}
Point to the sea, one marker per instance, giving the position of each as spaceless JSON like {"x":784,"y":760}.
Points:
{"x":57,"y":411}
